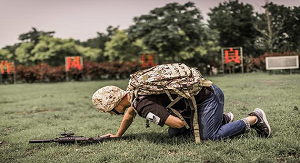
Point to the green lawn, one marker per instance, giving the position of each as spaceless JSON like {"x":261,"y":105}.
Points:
{"x":35,"y":111}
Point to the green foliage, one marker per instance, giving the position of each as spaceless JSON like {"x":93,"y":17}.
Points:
{"x":5,"y":54}
{"x":43,"y":111}
{"x":23,"y":53}
{"x":271,"y":26}
{"x":279,"y":14}
{"x":140,"y":44}
{"x":169,"y":30}
{"x":279,"y":28}
{"x":100,"y":40}
{"x":53,"y":51}
{"x":33,"y":36}
{"x":88,"y":53}
{"x":12,"y":49}
{"x":292,"y":27}
{"x":206,"y":53}
{"x":121,"y":49}
{"x":175,"y":33}
{"x":233,"y":21}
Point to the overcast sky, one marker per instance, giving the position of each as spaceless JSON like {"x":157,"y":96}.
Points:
{"x":82,"y":19}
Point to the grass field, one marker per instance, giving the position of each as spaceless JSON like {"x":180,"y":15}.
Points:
{"x":41,"y":111}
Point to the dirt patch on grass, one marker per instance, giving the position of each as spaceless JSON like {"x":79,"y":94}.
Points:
{"x":33,"y":111}
{"x":289,"y":156}
{"x":6,"y":102}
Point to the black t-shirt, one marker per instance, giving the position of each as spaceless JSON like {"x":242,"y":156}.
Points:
{"x":153,"y":107}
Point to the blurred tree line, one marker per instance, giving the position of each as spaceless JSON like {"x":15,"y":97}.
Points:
{"x":176,"y":33}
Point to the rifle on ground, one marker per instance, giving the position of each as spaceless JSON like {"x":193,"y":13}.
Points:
{"x":69,"y":138}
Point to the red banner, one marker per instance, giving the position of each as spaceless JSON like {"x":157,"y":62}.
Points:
{"x":6,"y":66}
{"x":74,"y":62}
{"x":232,"y":55}
{"x":148,"y":59}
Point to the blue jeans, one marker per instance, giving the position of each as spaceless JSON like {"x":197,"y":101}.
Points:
{"x":210,"y":115}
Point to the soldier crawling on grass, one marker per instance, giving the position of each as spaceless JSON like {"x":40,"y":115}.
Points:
{"x":207,"y":106}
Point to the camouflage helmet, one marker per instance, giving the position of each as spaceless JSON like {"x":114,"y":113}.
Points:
{"x":107,"y":98}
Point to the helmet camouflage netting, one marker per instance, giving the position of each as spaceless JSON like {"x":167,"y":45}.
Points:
{"x":107,"y":98}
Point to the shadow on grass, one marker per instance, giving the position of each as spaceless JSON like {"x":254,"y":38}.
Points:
{"x":159,"y":138}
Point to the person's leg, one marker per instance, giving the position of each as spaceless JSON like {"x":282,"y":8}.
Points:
{"x":259,"y":122}
{"x":210,"y":114}
{"x":227,"y":118}
{"x":180,"y":131}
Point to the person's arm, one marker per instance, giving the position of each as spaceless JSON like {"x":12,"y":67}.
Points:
{"x":174,"y":122}
{"x":126,"y":122}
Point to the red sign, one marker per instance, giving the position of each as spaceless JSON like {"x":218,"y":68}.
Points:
{"x":73,"y":62}
{"x":6,"y":66}
{"x":148,"y":60}
{"x":232,"y":55}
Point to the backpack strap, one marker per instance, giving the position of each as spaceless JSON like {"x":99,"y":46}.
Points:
{"x":180,"y":93}
{"x":176,"y":112}
{"x":174,"y":101}
{"x":133,"y":96}
{"x":206,"y":83}
{"x":169,"y":95}
{"x":195,"y":120}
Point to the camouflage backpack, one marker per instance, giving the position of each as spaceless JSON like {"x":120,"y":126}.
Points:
{"x":176,"y":78}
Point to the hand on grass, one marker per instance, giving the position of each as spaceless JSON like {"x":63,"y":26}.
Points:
{"x":109,"y":135}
